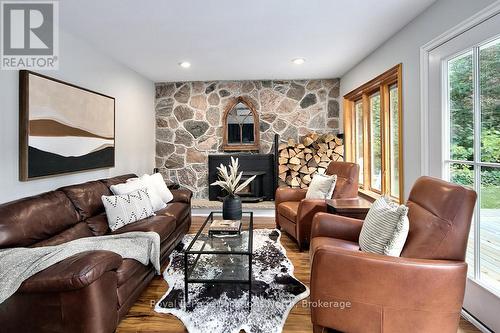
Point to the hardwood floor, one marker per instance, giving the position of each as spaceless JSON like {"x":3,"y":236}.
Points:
{"x":143,"y":318}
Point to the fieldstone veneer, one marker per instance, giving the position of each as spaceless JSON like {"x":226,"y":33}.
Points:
{"x":189,"y":120}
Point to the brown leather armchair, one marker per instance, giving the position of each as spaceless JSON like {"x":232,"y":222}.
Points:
{"x":294,"y":213}
{"x":421,"y":291}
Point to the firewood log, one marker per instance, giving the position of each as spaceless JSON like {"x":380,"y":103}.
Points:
{"x":307,"y":141}
{"x":291,"y":143}
{"x":329,"y":137}
{"x":295,"y":182}
{"x":282,"y":176}
{"x":284,"y":153}
{"x":282,"y":160}
{"x":312,"y":163}
{"x":291,"y":152}
{"x":304,"y":169}
{"x":282,"y":146}
{"x":294,"y":160}
{"x":283,"y":168}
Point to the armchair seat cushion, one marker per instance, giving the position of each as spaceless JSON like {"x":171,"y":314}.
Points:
{"x":289,"y":209}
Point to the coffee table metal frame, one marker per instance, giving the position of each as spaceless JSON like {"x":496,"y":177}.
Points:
{"x":198,"y":253}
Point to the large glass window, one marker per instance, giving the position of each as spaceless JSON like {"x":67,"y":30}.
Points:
{"x":473,"y":155}
{"x":394,"y":139}
{"x":373,"y":134}
{"x":375,"y":143}
{"x":358,"y":106}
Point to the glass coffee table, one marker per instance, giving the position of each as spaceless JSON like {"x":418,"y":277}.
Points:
{"x":220,"y":259}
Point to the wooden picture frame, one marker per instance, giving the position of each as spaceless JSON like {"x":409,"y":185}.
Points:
{"x":63,"y":128}
{"x":226,"y":146}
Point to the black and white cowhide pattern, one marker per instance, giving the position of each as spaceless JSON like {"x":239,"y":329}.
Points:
{"x":223,"y":308}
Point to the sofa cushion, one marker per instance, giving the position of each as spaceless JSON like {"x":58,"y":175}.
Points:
{"x":129,"y":268}
{"x":117,"y":180}
{"x":98,"y":224}
{"x":289,"y":209}
{"x":162,"y":225}
{"x":72,"y":273}
{"x":87,"y":197}
{"x":178,"y":210}
{"x":79,"y":230}
{"x":27,"y":221}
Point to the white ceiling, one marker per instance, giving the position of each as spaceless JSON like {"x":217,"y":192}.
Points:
{"x":238,"y":39}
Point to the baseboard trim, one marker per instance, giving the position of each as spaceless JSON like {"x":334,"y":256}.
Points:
{"x":476,"y":322}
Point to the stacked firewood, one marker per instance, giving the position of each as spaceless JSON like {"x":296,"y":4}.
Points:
{"x":299,"y":162}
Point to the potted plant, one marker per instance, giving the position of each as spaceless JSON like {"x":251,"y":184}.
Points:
{"x":230,"y":181}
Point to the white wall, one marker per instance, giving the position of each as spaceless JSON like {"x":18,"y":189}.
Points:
{"x":82,"y":65}
{"x":404,"y":47}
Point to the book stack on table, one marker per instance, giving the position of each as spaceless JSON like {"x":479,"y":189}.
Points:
{"x":224,"y":228}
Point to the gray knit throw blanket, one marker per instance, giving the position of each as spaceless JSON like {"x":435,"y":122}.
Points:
{"x":19,"y":264}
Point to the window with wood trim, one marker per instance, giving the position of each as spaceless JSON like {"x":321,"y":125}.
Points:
{"x":373,"y":134}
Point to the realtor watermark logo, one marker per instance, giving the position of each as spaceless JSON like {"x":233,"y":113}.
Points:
{"x":30,"y":35}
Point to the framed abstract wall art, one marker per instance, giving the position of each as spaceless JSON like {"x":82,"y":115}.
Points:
{"x":63,"y":128}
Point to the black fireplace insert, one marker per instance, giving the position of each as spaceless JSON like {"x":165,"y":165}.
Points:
{"x":260,"y":165}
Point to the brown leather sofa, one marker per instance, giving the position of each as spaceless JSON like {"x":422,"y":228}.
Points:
{"x":294,"y":213}
{"x":421,"y":291}
{"x":91,"y":291}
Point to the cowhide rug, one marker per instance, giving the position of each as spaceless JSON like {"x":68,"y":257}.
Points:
{"x":223,"y":308}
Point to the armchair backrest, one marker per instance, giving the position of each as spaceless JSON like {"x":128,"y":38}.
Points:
{"x":440,"y":215}
{"x":347,"y":179}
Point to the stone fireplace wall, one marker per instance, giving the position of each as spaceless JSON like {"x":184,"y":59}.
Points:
{"x":189,"y":120}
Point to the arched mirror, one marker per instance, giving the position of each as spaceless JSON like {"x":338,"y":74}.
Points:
{"x":241,"y":126}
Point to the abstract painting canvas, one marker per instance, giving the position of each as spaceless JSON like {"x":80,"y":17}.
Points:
{"x":63,"y":128}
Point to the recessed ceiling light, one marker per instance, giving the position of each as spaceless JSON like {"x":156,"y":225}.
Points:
{"x":185,"y":64}
{"x":298,"y":61}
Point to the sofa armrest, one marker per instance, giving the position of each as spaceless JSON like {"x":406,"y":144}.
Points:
{"x":182,"y":195}
{"x":75,"y":272}
{"x":367,"y":279}
{"x":305,"y":214}
{"x":336,"y":226}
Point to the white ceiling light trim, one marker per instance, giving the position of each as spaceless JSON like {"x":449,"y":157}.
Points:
{"x":298,"y":61}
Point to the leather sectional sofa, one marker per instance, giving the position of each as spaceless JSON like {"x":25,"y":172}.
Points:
{"x":91,"y":291}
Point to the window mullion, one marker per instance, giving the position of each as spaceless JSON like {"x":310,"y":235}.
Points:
{"x":385,"y":138}
{"x":477,"y":161}
{"x":366,"y":143}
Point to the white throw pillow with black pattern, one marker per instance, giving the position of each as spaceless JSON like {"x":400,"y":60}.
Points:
{"x":127,"y":208}
{"x":385,"y":228}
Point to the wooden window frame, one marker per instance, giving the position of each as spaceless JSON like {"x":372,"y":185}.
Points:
{"x":381,"y":84}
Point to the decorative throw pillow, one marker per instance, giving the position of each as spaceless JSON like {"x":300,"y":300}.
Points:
{"x":127,"y":208}
{"x":385,"y":228}
{"x":128,"y":187}
{"x":321,"y":186}
{"x":157,"y":182}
